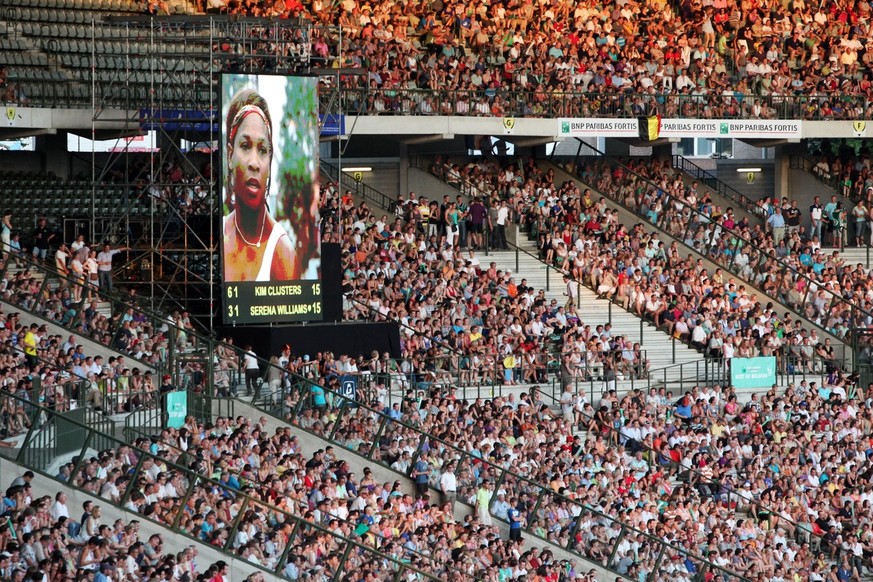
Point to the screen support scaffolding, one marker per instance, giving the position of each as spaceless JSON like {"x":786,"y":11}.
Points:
{"x":169,"y":85}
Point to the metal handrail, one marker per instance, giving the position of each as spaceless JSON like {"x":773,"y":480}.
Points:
{"x":739,"y":241}
{"x":709,"y":179}
{"x":366,"y":191}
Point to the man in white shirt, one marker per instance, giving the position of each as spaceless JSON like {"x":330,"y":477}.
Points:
{"x":449,"y":485}
{"x":104,"y":267}
{"x":59,"y":507}
{"x":500,"y":227}
{"x":252,"y":370}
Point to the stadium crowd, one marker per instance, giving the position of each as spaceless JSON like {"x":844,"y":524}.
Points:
{"x":690,"y":58}
{"x":461,"y":318}
{"x":42,"y":538}
{"x":783,"y":256}
{"x":581,"y":235}
{"x":321,"y":488}
{"x":774,"y":487}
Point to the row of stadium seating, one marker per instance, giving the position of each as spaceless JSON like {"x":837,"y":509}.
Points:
{"x":77,"y":6}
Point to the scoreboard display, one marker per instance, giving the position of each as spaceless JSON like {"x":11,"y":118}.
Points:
{"x":249,"y":302}
{"x":271,"y":258}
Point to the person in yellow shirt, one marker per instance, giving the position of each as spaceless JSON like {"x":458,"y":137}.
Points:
{"x":30,"y":343}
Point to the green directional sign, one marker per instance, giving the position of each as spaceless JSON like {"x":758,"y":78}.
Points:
{"x":753,"y":372}
{"x":177,"y":409}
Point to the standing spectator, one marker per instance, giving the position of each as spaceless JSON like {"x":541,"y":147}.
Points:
{"x":570,"y":290}
{"x":6,"y":232}
{"x":792,"y":218}
{"x":860,"y":214}
{"x":500,"y":227}
{"x":252,"y":370}
{"x":449,"y":485}
{"x":90,"y":269}
{"x":104,"y":267}
{"x":30,"y":346}
{"x":483,"y":502}
{"x":478,"y":217}
{"x":421,"y":472}
{"x":514,"y":517}
{"x":61,"y":256}
{"x":815,"y":214}
{"x":776,"y":222}
{"x":42,"y":238}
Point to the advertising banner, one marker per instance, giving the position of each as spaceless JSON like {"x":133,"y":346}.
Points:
{"x":684,"y":128}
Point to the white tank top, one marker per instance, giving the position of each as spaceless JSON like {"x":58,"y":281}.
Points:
{"x":267,"y":262}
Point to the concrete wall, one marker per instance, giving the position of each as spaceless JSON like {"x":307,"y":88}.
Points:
{"x":384,"y":176}
{"x":424,"y":184}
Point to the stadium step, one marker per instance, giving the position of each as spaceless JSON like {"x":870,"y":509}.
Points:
{"x":661,"y":349}
{"x":852,"y":255}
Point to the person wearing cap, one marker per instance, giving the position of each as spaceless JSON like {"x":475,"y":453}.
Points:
{"x":107,"y":570}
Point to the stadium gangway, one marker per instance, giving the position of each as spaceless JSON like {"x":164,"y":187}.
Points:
{"x":51,"y":432}
{"x":690,"y":227}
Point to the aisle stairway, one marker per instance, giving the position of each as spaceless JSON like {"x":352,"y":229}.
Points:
{"x":721,"y":193}
{"x":661,"y":349}
{"x":853,"y":255}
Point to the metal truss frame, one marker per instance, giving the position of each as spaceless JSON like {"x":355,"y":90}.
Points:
{"x":169,"y":83}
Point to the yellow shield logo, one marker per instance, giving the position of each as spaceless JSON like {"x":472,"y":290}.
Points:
{"x":10,"y":113}
{"x":508,"y":122}
{"x":859,"y":127}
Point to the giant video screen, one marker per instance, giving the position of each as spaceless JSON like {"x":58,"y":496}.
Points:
{"x":271,"y":259}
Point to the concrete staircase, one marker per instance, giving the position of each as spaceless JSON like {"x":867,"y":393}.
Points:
{"x":853,"y":255}
{"x":661,"y":349}
{"x":721,"y":193}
